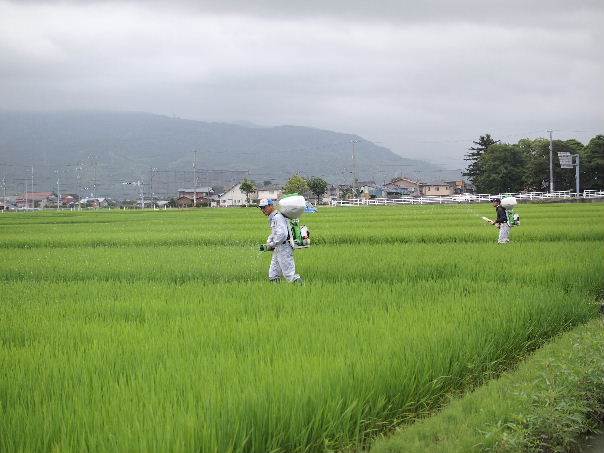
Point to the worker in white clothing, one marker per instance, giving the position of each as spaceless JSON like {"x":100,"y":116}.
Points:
{"x":282,"y":263}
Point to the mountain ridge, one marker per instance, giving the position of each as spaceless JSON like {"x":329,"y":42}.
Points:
{"x":101,"y":150}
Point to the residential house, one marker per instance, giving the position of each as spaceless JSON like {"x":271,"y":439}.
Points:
{"x":184,"y":202}
{"x":369,"y":189}
{"x":409,"y":186}
{"x":7,"y":203}
{"x":273,"y":192}
{"x":69,"y":199}
{"x":94,"y":202}
{"x":459,"y":186}
{"x":215,"y":200}
{"x":233,"y":197}
{"x":437,"y":190}
{"x":391,"y":191}
{"x":200,"y":192}
{"x":201,"y":195}
{"x":35,"y":199}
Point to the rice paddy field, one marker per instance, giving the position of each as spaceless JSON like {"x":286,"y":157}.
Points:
{"x":157,"y":331}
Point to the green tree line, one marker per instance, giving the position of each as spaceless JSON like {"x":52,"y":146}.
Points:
{"x":496,"y":167}
{"x":296,"y":184}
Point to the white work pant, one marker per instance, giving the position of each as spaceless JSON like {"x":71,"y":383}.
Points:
{"x":504,"y":233}
{"x":283,"y":264}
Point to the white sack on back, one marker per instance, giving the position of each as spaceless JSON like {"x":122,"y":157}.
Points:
{"x":508,"y":202}
{"x":292,"y":207}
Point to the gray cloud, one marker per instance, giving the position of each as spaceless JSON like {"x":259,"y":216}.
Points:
{"x":421,"y":78}
{"x":509,"y":13}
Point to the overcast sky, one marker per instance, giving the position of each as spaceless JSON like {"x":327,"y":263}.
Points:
{"x":422,"y":78}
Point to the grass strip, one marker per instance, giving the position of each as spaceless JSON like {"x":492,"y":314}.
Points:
{"x":546,"y":404}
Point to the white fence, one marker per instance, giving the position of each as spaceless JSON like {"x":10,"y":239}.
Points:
{"x":469,"y":198}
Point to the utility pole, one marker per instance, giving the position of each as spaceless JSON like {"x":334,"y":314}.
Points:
{"x":92,"y":160}
{"x":194,"y":178}
{"x":32,"y":178}
{"x":142,"y":194}
{"x":576,"y":156}
{"x":355,"y":178}
{"x":79,"y":187}
{"x":153,"y":170}
{"x":3,"y":195}
{"x":551,"y":162}
{"x":58,"y":189}
{"x":94,"y":180}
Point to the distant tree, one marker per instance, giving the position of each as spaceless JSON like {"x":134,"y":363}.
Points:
{"x":318,"y":186}
{"x":266,"y":183}
{"x":296,"y":184}
{"x":593,"y":163}
{"x":536,"y":170}
{"x":502,"y":169}
{"x":247,"y":187}
{"x":346,"y":192}
{"x":474,"y":169}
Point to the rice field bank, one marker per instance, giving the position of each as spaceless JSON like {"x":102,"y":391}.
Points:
{"x":157,"y":331}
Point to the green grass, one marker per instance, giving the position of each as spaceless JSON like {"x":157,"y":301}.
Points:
{"x":157,"y":331}
{"x":547,"y":404}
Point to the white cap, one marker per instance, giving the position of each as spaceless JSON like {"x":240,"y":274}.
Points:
{"x":265,"y":202}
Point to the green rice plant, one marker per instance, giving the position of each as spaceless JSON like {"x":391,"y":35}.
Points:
{"x":547,"y":404}
{"x":157,"y":331}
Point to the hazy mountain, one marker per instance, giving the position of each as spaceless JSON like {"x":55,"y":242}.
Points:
{"x":99,"y":151}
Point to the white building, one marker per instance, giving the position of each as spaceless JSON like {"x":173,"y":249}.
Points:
{"x":234,"y":197}
{"x":268,"y":192}
{"x":199,"y":193}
